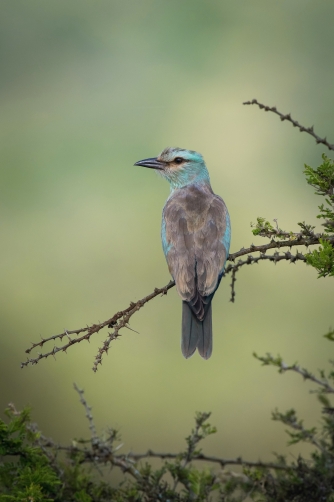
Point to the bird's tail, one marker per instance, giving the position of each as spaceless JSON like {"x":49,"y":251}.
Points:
{"x":195,"y":333}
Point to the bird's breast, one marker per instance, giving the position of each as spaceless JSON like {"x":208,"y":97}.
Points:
{"x":192,"y":204}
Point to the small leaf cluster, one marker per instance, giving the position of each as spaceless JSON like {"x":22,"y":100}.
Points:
{"x":322,"y":259}
{"x":264,"y":228}
{"x":31,"y":469}
{"x":290,"y":418}
{"x":322,"y":179}
{"x":26,"y":473}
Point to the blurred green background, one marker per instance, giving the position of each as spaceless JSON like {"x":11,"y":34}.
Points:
{"x":87,"y":89}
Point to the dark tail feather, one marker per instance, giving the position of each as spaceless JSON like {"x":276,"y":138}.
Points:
{"x":189,"y":331}
{"x":204,"y":342}
{"x":195,"y":333}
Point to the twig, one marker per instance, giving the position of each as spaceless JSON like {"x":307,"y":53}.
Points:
{"x":288,"y":117}
{"x":309,"y":376}
{"x":276,"y":257}
{"x":193,"y":440}
{"x":233,"y":269}
{"x":101,"y":454}
{"x":304,"y":241}
{"x":127,"y":314}
{"x":269,"y":360}
{"x":94,"y":328}
{"x":206,"y":458}
{"x":102,"y":449}
{"x":89,"y":415}
{"x":289,"y":418}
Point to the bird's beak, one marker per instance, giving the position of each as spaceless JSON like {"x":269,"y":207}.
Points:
{"x":152,"y":163}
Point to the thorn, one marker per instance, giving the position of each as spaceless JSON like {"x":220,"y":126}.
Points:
{"x":126,"y":326}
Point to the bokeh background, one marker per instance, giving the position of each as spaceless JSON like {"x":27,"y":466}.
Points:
{"x":87,"y":89}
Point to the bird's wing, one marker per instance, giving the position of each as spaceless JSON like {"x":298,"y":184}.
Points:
{"x":212,"y":242}
{"x":195,"y":237}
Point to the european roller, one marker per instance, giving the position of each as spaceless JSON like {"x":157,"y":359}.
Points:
{"x":196,"y":234}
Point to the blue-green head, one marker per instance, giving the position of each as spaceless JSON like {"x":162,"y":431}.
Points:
{"x":180,"y":167}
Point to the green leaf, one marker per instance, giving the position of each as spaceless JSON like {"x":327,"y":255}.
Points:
{"x":322,"y":259}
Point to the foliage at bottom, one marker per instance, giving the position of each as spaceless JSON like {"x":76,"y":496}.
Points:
{"x":34,"y":468}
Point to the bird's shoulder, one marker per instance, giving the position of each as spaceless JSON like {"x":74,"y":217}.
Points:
{"x":195,"y":199}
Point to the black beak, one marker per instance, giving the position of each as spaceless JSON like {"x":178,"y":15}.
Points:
{"x":152,"y":163}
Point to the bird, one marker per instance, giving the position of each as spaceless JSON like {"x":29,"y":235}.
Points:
{"x":196,"y":235}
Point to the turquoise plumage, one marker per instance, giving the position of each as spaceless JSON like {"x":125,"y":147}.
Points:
{"x":195,"y":234}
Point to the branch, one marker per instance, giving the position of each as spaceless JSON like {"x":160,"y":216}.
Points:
{"x":102,"y":453}
{"x":89,"y":415}
{"x":276,"y":257}
{"x":269,"y":360}
{"x":121,"y":319}
{"x":288,"y":117}
{"x":303,"y":241}
{"x":309,"y":435}
{"x":202,"y":430}
{"x":216,"y":460}
{"x":102,"y":450}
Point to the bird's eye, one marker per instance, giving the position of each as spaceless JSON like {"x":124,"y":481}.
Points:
{"x":178,"y":160}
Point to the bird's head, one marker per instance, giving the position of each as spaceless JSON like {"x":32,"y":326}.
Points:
{"x":180,"y":167}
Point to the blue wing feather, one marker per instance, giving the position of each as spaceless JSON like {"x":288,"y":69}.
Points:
{"x":165,"y":244}
{"x":226,"y":240}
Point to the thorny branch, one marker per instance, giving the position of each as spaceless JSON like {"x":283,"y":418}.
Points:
{"x":89,"y":415}
{"x":207,"y":458}
{"x":117,"y":321}
{"x":288,"y":117}
{"x":276,"y":257}
{"x":103,"y":451}
{"x":307,"y":375}
{"x":298,"y":239}
{"x":121,"y":319}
